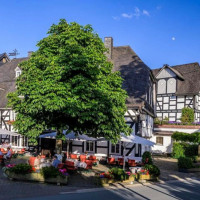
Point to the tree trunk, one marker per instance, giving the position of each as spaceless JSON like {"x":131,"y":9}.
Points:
{"x":58,"y":146}
{"x":199,"y":150}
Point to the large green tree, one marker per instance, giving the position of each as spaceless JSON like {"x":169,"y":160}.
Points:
{"x":69,"y":84}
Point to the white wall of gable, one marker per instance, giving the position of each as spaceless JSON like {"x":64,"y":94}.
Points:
{"x":166,"y":73}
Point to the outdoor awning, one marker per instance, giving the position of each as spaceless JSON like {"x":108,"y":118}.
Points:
{"x":136,"y":139}
{"x":133,"y":139}
{"x":6,"y":132}
{"x":69,"y":136}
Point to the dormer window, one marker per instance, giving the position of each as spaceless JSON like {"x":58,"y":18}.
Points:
{"x":167,"y":85}
{"x":18,"y":72}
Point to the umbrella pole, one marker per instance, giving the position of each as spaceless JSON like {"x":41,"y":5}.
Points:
{"x":124,"y":156}
{"x":67,"y":149}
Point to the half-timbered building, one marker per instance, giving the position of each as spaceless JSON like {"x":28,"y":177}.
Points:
{"x":139,"y":82}
{"x":177,"y":87}
{"x":9,"y":71}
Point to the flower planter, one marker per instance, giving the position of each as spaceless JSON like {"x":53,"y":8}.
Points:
{"x":147,"y":177}
{"x":131,"y":178}
{"x":103,"y":181}
{"x":35,"y":177}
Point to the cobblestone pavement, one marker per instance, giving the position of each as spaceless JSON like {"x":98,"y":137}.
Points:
{"x":169,"y":169}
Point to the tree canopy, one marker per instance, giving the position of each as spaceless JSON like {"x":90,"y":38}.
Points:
{"x":69,"y":84}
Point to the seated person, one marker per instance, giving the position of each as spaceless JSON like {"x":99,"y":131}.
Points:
{"x":37,"y":163}
{"x":55,"y":162}
{"x":9,"y":154}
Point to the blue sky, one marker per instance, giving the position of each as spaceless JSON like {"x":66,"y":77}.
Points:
{"x":159,"y":31}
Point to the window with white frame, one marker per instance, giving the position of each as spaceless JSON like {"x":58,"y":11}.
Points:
{"x":89,"y":146}
{"x":18,"y":72}
{"x":15,"y":140}
{"x":115,"y":148}
{"x":24,"y":141}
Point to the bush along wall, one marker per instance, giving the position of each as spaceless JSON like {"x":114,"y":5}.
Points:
{"x":187,"y":115}
{"x":184,"y":150}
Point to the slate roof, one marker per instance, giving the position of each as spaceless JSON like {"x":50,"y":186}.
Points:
{"x":7,"y":79}
{"x":190,"y":84}
{"x":135,"y":74}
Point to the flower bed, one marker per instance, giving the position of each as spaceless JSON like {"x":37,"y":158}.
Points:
{"x":23,"y":172}
{"x":119,"y":175}
{"x":114,"y":175}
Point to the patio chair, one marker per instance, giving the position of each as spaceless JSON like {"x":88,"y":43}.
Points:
{"x":93,"y":159}
{"x":89,"y":164}
{"x":21,"y":152}
{"x":74,"y":156}
{"x":131,"y":163}
{"x":111,"y":161}
{"x":3,"y":151}
{"x":1,"y":159}
{"x":82,"y":158}
{"x":70,"y":165}
{"x":31,"y":162}
{"x":120,"y":161}
{"x":61,"y":166}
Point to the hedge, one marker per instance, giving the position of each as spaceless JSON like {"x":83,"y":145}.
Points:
{"x":184,"y":150}
{"x":186,"y":137}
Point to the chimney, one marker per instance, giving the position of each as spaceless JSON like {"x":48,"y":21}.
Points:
{"x":108,"y":42}
{"x":30,"y":53}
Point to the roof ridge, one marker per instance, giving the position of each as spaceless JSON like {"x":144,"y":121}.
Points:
{"x":185,"y":64}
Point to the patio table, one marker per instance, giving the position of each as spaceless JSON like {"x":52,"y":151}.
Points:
{"x":137,"y":159}
{"x":78,"y":163}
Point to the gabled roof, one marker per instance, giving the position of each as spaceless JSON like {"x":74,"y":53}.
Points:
{"x":7,"y":79}
{"x":135,"y":73}
{"x":190,"y":83}
{"x":4,"y":55}
{"x":178,"y":74}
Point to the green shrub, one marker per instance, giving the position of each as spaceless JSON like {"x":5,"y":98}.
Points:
{"x":194,"y":159}
{"x":118,"y":173}
{"x":153,"y":169}
{"x":146,"y":158}
{"x":184,"y":150}
{"x":187,"y":115}
{"x":157,"y":121}
{"x":51,"y":172}
{"x":178,"y":150}
{"x":21,"y":169}
{"x":191,"y":150}
{"x":185,"y":163}
{"x":165,"y":120}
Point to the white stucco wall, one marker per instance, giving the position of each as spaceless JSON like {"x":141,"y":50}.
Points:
{"x":165,"y":148}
